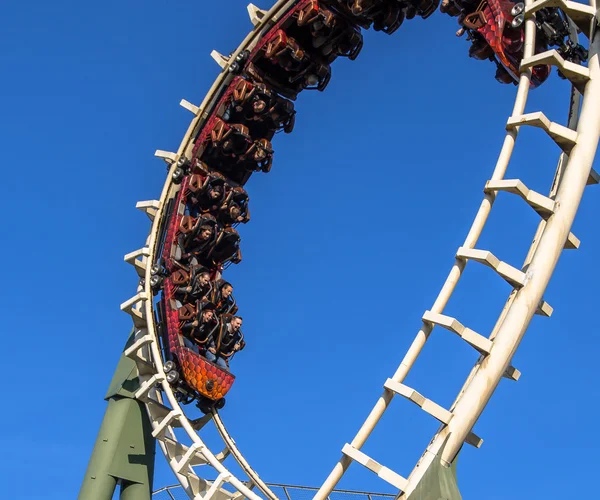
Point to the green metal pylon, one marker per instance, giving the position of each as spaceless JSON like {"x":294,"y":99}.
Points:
{"x":438,"y":482}
{"x":124,"y":450}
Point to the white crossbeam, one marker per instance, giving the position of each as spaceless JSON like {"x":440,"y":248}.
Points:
{"x":512,"y":373}
{"x":512,"y":275}
{"x":581,"y":14}
{"x":158,"y":411}
{"x":256,"y":15}
{"x":149,"y":207}
{"x":167,"y":156}
{"x":474,"y":339}
{"x":172,"y":416}
{"x":563,"y":136}
{"x":189,"y":457}
{"x":134,"y":307}
{"x":474,"y":440}
{"x":425,"y":404}
{"x":572,"y":242}
{"x":139,"y":264}
{"x":383,"y":472}
{"x":543,"y":205}
{"x":132,"y":350}
{"x":578,"y":75}
{"x":220,"y":59}
{"x":142,"y":393}
{"x":544,"y":309}
{"x":189,"y":106}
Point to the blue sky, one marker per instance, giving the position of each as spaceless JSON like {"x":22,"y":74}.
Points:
{"x":351,"y":237}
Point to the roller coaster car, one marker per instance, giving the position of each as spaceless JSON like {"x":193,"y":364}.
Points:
{"x":385,"y":15}
{"x":279,"y":62}
{"x":496,"y":30}
{"x":324,"y":33}
{"x":206,"y":194}
{"x":193,"y":375}
{"x":230,"y":150}
{"x":262,"y":111}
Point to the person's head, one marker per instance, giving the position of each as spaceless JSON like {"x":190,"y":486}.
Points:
{"x":207,"y":315}
{"x":259,"y":106}
{"x":236,"y":323}
{"x":226,"y":290}
{"x":204,"y":278}
{"x":234,"y":212}
{"x":205,"y":233}
{"x":215,"y":192}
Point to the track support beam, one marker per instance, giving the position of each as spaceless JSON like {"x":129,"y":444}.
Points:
{"x":124,"y":450}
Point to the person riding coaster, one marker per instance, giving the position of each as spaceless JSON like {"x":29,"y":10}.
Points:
{"x":197,"y":236}
{"x":235,"y":209}
{"x":261,"y":110}
{"x":194,"y":285}
{"x":222,"y":297}
{"x":209,"y":198}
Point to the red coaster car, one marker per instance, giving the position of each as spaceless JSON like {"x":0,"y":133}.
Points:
{"x":496,"y":30}
{"x":195,"y":376}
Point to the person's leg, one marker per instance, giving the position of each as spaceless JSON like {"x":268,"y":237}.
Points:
{"x":221,"y":362}
{"x":210,"y":356}
{"x":190,"y":345}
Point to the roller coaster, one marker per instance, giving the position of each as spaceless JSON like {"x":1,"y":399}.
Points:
{"x":186,"y":331}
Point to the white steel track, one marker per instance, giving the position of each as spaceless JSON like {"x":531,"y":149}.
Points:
{"x":578,"y":139}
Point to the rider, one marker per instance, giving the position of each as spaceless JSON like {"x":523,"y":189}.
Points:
{"x":201,"y":329}
{"x":222,"y":297}
{"x":199,"y":286}
{"x":228,"y":341}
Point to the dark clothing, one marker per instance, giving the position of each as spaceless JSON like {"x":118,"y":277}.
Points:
{"x":201,"y":334}
{"x":227,"y":340}
{"x":222,"y":306}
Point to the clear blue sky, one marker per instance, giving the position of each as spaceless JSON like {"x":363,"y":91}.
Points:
{"x":351,"y":237}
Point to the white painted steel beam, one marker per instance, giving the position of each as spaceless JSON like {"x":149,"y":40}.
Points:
{"x":167,"y":156}
{"x":135,"y":308}
{"x":149,"y":207}
{"x":512,"y":373}
{"x":189,"y":106}
{"x":474,"y":339}
{"x":543,"y":205}
{"x":512,"y":275}
{"x":220,"y":59}
{"x":563,"y":136}
{"x":435,"y":410}
{"x":383,"y":472}
{"x":138,"y":263}
{"x":256,"y":15}
{"x":578,"y":75}
{"x":544,"y":309}
{"x":580,"y":13}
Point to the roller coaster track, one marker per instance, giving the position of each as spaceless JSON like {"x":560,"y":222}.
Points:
{"x":193,"y":461}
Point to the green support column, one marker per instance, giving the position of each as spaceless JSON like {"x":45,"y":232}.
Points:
{"x":124,"y":450}
{"x":438,"y":483}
